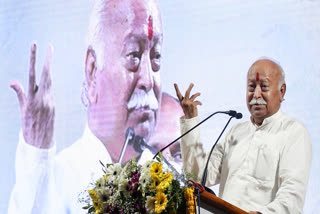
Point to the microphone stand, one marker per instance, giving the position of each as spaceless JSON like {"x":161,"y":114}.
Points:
{"x":204,"y":176}
{"x":129,"y":137}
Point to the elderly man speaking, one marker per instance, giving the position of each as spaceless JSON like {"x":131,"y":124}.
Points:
{"x":263,"y":164}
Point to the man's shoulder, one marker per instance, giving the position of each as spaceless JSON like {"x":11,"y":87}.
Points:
{"x":288,"y":122}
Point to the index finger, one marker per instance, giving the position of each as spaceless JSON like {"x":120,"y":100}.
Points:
{"x":32,"y":73}
{"x":189,"y":90}
{"x":178,"y":92}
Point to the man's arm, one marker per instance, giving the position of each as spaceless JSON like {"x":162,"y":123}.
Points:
{"x":34,"y":179}
{"x":193,"y":155}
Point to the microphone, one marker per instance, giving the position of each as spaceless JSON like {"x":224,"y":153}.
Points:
{"x":235,"y":114}
{"x":238,"y":116}
{"x":231,"y":113}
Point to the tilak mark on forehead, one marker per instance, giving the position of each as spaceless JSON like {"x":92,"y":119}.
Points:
{"x":150,"y":28}
{"x":257,"y":76}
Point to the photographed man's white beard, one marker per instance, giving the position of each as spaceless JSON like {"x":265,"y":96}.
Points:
{"x":259,"y":101}
{"x":143,"y":100}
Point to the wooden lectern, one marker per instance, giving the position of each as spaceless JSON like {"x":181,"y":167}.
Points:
{"x":216,"y":205}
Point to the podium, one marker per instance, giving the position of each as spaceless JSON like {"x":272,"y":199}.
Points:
{"x":216,"y":205}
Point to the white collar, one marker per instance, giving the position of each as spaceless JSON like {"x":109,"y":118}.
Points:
{"x":268,"y":120}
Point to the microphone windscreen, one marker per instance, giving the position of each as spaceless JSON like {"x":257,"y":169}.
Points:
{"x":238,"y":115}
{"x":232,"y":113}
{"x":130,"y":132}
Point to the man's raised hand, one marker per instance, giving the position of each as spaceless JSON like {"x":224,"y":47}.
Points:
{"x":188,"y":104}
{"x":37,"y":108}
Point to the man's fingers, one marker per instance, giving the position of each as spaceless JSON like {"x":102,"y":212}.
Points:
{"x":188,"y":91}
{"x":193,"y":97}
{"x":196,"y":103}
{"x":17,"y":87}
{"x":32,"y":70}
{"x":178,"y":92}
{"x":45,"y":82}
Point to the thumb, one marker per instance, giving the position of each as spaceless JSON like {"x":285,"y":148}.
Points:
{"x":17,"y":87}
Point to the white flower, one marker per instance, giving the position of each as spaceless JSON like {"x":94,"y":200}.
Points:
{"x":125,"y":172}
{"x":100,"y":184}
{"x":146,"y":166}
{"x":145,"y":180}
{"x":150,"y":204}
{"x":125,"y":187}
{"x":113,"y":171}
{"x":104,"y":194}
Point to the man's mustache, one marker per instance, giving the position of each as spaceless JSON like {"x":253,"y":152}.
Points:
{"x":259,"y":101}
{"x":146,"y":100}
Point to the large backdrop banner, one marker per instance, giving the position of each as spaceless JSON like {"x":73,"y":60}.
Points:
{"x":209,"y":43}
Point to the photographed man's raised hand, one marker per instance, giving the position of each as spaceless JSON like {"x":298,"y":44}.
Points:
{"x":37,"y":109}
{"x":188,"y":104}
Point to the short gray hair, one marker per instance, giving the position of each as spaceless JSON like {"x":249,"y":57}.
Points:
{"x":96,"y":30}
{"x":280,"y":69}
{"x":94,"y":41}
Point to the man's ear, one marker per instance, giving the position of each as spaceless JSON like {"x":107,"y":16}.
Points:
{"x":90,"y":73}
{"x":283,"y":91}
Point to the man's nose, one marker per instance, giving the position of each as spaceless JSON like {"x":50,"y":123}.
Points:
{"x":257,"y":92}
{"x":145,"y":75}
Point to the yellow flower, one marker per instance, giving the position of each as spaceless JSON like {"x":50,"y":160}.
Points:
{"x":155,"y":183}
{"x":162,"y":186}
{"x":97,"y":206}
{"x":190,"y":203}
{"x":190,"y":210}
{"x":161,"y":182}
{"x":160,"y":202}
{"x":167,"y":177}
{"x":166,"y":180}
{"x":188,"y":193}
{"x":156,"y":169}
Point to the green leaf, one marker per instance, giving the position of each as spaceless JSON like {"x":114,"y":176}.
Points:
{"x":158,"y":159}
{"x":101,"y":163}
{"x":91,"y":210}
{"x":86,"y":207}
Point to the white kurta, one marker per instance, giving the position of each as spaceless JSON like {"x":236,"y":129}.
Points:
{"x":259,"y":168}
{"x":49,"y":183}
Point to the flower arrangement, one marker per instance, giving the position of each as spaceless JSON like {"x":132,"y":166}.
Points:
{"x":134,"y":188}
